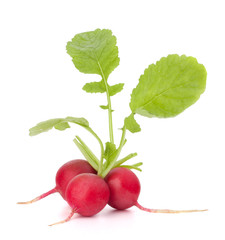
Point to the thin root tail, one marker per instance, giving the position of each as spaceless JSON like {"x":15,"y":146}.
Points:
{"x":167,"y":210}
{"x":66,"y":220}
{"x":39,"y":197}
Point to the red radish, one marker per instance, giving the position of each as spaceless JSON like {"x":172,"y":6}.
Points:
{"x":87,"y":194}
{"x":125,"y":188}
{"x":68,"y":171}
{"x":64,"y":175}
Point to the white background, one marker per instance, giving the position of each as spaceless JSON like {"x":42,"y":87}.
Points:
{"x":183,"y":157}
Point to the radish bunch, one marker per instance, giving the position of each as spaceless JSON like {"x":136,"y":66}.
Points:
{"x":87,"y":193}
{"x":164,"y":90}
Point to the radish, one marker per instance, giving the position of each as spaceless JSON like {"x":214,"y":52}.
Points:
{"x":125,"y":189}
{"x":87,"y":194}
{"x":64,"y":175}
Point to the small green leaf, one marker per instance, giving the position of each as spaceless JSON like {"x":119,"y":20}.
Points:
{"x":110,"y":148}
{"x":104,"y":107}
{"x":94,"y":52}
{"x":94,"y":87}
{"x":99,"y":87}
{"x":114,"y":89}
{"x":131,"y":124}
{"x":57,"y":123}
{"x":168,"y":87}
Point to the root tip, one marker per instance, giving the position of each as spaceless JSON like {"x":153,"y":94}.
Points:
{"x":22,"y":202}
{"x":50,"y":225}
{"x":66,"y":220}
{"x":204,"y":210}
{"x":29,"y":202}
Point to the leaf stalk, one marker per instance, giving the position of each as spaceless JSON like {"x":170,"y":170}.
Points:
{"x":116,"y":154}
{"x":109,"y":105}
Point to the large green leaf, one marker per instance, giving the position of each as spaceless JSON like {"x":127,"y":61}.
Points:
{"x":57,"y":123}
{"x":94,"y":52}
{"x":168,"y":87}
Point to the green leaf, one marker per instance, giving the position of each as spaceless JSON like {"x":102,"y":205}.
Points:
{"x":114,"y":89}
{"x":99,"y":87}
{"x":168,"y":87}
{"x":104,"y":107}
{"x":94,"y":52}
{"x":131,"y":124}
{"x":94,"y":87}
{"x":57,"y":123}
{"x":110,"y":148}
{"x":45,"y":126}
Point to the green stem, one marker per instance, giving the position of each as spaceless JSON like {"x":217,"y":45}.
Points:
{"x":88,"y":150}
{"x":86,"y":154}
{"x":123,"y":160}
{"x":122,"y":141}
{"x":101,"y":146}
{"x":116,"y":154}
{"x":109,"y":105}
{"x":134,"y":166}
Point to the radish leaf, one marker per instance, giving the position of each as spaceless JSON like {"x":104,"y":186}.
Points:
{"x":110,"y":148}
{"x":94,"y":52}
{"x":131,"y":124}
{"x":94,"y":87}
{"x":105,"y":107}
{"x":168,"y":87}
{"x":114,"y":89}
{"x":57,"y":123}
{"x":99,"y":87}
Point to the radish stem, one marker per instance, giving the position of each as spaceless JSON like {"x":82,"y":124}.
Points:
{"x":109,"y":105}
